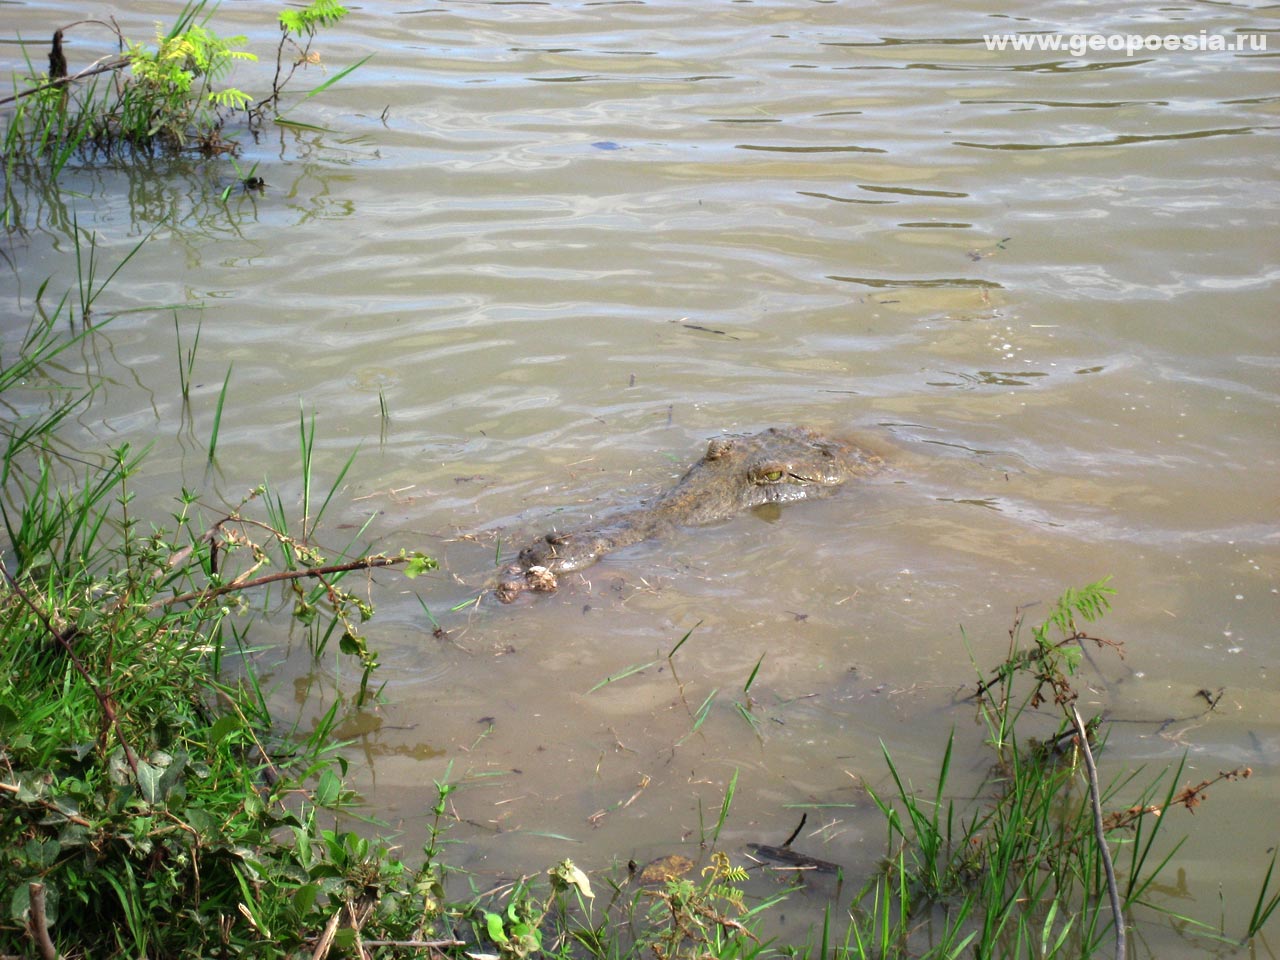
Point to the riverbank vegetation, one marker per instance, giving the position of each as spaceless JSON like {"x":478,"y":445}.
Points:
{"x":166,"y":95}
{"x":152,"y":805}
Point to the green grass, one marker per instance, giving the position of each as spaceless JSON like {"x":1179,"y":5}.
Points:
{"x":1024,"y":870}
{"x":217,"y":416}
{"x":149,"y":802}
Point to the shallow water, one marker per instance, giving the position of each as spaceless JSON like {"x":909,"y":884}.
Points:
{"x":567,"y":243}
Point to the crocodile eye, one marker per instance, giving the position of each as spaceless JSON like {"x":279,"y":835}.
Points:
{"x":772,"y":476}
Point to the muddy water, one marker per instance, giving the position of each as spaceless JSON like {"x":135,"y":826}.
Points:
{"x":567,"y":243}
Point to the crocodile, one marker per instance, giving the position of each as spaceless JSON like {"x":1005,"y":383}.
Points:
{"x":737,"y":472}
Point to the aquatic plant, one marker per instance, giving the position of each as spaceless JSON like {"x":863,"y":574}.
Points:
{"x":168,"y":94}
{"x":1027,"y":869}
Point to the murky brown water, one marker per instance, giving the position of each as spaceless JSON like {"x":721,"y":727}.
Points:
{"x":569,"y":242}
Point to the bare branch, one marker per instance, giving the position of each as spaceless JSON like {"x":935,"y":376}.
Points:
{"x":108,"y":67}
{"x":1095,"y":801}
{"x":203,"y":596}
{"x":38,"y":923}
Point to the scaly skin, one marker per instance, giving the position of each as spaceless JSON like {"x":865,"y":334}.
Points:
{"x":777,"y":466}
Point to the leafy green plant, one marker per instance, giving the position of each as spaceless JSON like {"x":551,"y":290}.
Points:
{"x":298,"y":30}
{"x":174,"y":95}
{"x":519,"y":927}
{"x":516,"y":931}
{"x":149,"y":802}
{"x":709,"y":917}
{"x":1027,"y":871}
{"x":169,"y":94}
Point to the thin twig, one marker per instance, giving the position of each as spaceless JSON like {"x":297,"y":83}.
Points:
{"x":108,"y":67}
{"x":52,"y":808}
{"x":326,"y":939}
{"x":205,"y":595}
{"x":1095,"y":800}
{"x":796,"y":832}
{"x":420,"y":944}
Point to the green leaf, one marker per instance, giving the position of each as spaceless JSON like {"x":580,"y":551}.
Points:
{"x":171,"y":775}
{"x":223,"y":727}
{"x":419,"y":564}
{"x":336,"y":77}
{"x":328,"y":790}
{"x":614,"y":678}
{"x":200,"y":820}
{"x":19,"y":904}
{"x":680,"y":643}
{"x":41,"y":854}
{"x":493,"y":923}
{"x":345,"y":938}
{"x":149,"y":781}
{"x":351,"y":644}
{"x":299,"y":125}
{"x":304,"y":897}
{"x":253,"y":805}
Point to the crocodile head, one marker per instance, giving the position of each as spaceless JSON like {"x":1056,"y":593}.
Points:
{"x":775,"y":466}
{"x":735,"y":474}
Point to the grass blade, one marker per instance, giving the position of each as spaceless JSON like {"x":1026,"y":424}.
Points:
{"x":336,"y":484}
{"x":614,"y":678}
{"x":299,"y":125}
{"x":727,"y":802}
{"x":1264,"y":906}
{"x":680,"y":642}
{"x":752,"y":679}
{"x":700,"y":715}
{"x":306,"y":441}
{"x":337,"y":76}
{"x":217,"y":413}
